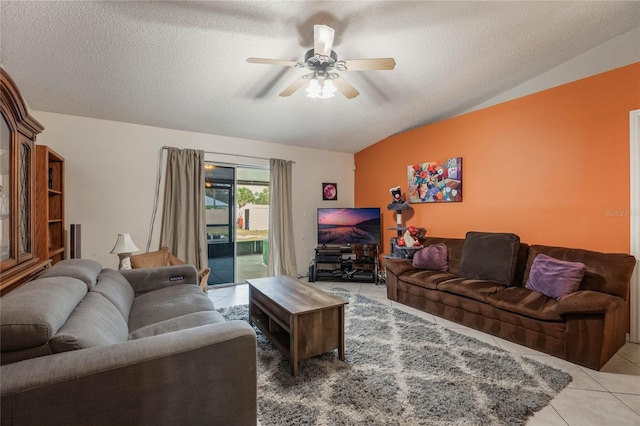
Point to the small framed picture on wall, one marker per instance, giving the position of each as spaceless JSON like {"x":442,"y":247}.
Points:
{"x":329,"y":191}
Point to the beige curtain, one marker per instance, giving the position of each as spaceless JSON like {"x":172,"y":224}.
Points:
{"x":183,"y":227}
{"x":282,"y":254}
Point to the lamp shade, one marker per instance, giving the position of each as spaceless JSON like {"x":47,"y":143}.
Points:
{"x":320,"y":88}
{"x":124,"y":244}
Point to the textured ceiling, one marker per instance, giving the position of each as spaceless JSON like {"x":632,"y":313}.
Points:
{"x":181,"y":65}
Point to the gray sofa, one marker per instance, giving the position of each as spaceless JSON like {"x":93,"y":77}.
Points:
{"x":87,"y":345}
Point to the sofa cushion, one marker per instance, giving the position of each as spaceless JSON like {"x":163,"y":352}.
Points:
{"x":22,"y":354}
{"x":454,"y":251}
{"x":523,"y":256}
{"x":553,"y":277}
{"x":31,"y":314}
{"x":95,"y":322}
{"x":471,"y":288}
{"x":112,"y":285}
{"x":490,"y":256}
{"x":83,"y":269}
{"x":426,"y":278}
{"x":433,"y":257}
{"x":521,"y":301}
{"x":605,"y":272}
{"x":166,"y":303}
{"x":183,"y":322}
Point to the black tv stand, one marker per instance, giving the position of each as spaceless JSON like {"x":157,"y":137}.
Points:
{"x":356,"y":263}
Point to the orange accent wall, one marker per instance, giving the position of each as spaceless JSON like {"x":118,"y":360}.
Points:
{"x":552,"y":167}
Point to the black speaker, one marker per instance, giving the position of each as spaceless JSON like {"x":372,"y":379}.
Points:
{"x":312,"y":273}
{"x":74,"y":241}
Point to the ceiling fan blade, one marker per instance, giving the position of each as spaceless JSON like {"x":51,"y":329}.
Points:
{"x":322,"y":40}
{"x":272,"y":62}
{"x":345,"y":88}
{"x":370,"y":64}
{"x":294,"y":86}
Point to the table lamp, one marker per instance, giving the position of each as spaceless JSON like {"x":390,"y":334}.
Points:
{"x":123,"y":248}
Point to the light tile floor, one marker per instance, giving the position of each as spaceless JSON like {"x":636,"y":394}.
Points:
{"x":610,"y":396}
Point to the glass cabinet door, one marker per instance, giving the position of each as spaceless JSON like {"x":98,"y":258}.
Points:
{"x":25,"y":176}
{"x":16,"y":197}
{"x":6,"y":249}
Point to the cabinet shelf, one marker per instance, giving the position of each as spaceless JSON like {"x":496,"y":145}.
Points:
{"x":50,"y":233}
{"x":55,"y":252}
{"x":278,"y":335}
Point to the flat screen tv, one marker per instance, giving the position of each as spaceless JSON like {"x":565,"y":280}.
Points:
{"x":349,"y":226}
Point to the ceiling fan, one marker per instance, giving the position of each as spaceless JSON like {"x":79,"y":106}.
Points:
{"x":323,"y":62}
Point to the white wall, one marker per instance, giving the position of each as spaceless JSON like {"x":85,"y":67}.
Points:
{"x":258,"y":217}
{"x":111,"y":178}
{"x":615,"y":53}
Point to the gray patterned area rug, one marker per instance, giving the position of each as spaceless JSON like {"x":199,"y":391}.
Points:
{"x":400,"y":370}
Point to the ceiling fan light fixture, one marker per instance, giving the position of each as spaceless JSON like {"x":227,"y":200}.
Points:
{"x":321,"y":88}
{"x":314,"y":90}
{"x":328,"y":89}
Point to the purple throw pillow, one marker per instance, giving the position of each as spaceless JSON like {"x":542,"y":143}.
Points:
{"x":553,"y":277}
{"x":432,"y":257}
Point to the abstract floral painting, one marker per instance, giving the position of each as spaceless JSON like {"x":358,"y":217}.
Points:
{"x":435,"y":181}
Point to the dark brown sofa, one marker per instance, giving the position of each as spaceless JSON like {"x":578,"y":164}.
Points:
{"x":586,"y":327}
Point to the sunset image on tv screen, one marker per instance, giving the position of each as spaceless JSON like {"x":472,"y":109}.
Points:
{"x":349,"y":226}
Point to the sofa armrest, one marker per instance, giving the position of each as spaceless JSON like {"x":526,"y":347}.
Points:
{"x":202,"y":375}
{"x":587,"y":302}
{"x":398,"y":266}
{"x":149,"y":279}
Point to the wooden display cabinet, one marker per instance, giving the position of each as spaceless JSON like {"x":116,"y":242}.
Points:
{"x":19,"y":260}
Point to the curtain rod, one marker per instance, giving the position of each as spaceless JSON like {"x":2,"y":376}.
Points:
{"x":235,"y":155}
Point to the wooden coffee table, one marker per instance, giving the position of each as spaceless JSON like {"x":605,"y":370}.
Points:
{"x":299,"y":319}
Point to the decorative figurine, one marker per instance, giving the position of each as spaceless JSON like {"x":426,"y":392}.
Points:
{"x":397,"y":194}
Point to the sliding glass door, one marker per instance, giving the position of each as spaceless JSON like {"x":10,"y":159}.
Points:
{"x":237,"y":214}
{"x":252,"y":189}
{"x":219,"y":202}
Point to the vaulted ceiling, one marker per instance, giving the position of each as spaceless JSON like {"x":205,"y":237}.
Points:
{"x":182,"y":65}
